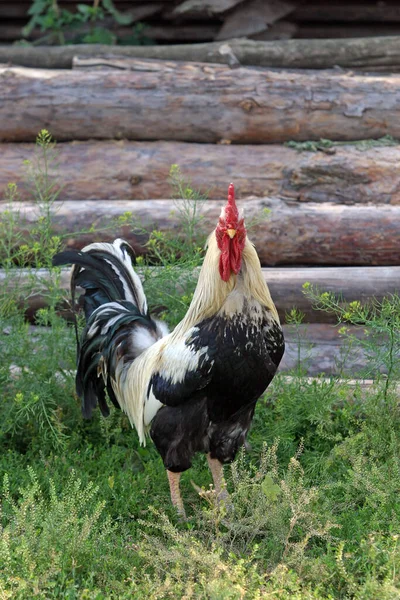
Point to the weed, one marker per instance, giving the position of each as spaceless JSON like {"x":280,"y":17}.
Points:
{"x":380,"y":321}
{"x":170,"y":289}
{"x":46,"y":537}
{"x":60,"y":25}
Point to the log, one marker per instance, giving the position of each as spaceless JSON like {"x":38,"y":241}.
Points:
{"x":282,"y":30}
{"x":285,"y":284}
{"x":320,"y":346}
{"x":139,"y":170}
{"x":347,"y":12}
{"x":253,"y":17}
{"x":323,"y":354}
{"x":203,"y":7}
{"x":203,"y":103}
{"x":322,"y":350}
{"x":368,"y":53}
{"x":331,"y":31}
{"x":346,"y":283}
{"x":293,"y":234}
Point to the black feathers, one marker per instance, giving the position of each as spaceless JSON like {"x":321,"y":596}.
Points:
{"x":102,"y":274}
{"x":210,"y":408}
{"x":116,"y":310}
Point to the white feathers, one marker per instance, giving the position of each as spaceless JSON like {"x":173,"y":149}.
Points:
{"x":233,"y":304}
{"x":142,"y":338}
{"x":92,"y":330}
{"x":178,"y":358}
{"x":131,"y":387}
{"x":110,"y":323}
{"x":151,"y":408}
{"x":161,"y":328}
{"x":112,"y":310}
{"x":117,"y":250}
{"x":172,"y":359}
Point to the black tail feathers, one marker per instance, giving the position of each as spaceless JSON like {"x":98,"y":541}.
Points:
{"x":118,"y":326}
{"x":105,"y":272}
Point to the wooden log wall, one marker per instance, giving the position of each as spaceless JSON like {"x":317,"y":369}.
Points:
{"x":121,"y":122}
{"x":338,"y":205}
{"x":372,"y":54}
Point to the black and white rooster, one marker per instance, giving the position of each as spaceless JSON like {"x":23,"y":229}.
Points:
{"x":195,"y":389}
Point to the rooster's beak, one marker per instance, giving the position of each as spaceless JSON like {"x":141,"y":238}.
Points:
{"x":231,"y":233}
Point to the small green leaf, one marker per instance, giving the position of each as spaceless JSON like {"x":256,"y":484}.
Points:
{"x":38,"y":7}
{"x":122,"y":19}
{"x":270,"y":489}
{"x":84,"y":9}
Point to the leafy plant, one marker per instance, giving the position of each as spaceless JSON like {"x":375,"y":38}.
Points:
{"x":52,"y":534}
{"x":328,"y":146}
{"x":61,"y":25}
{"x":380,"y":321}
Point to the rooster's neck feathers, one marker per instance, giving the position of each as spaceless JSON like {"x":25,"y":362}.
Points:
{"x":212,"y":292}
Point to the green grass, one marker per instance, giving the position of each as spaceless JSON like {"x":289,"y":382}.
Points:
{"x":315,"y":514}
{"x":85,"y":511}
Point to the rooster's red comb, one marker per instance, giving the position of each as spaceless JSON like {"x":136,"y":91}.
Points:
{"x":231,"y":211}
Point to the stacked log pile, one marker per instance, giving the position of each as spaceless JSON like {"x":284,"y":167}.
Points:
{"x":335,"y":203}
{"x":167,"y":21}
{"x":315,"y":145}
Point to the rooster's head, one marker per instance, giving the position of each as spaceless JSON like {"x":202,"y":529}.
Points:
{"x":231,"y":237}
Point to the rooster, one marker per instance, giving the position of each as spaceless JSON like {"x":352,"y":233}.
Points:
{"x":195,"y":389}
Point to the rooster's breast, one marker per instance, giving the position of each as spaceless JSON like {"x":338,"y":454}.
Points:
{"x":245,"y":352}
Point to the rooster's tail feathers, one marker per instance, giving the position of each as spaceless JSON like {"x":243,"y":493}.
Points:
{"x":114,"y":333}
{"x":105,"y":272}
{"x":118,"y":325}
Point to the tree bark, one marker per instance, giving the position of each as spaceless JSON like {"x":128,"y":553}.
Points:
{"x":254,"y":17}
{"x":285,"y":284}
{"x":196,"y":103}
{"x":140,"y":170}
{"x":204,"y":8}
{"x":347,"y":12}
{"x":337,"y":31}
{"x":299,"y":54}
{"x":313,"y":234}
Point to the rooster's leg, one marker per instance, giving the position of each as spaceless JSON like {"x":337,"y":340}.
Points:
{"x":173,"y":480}
{"x":217,"y":472}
